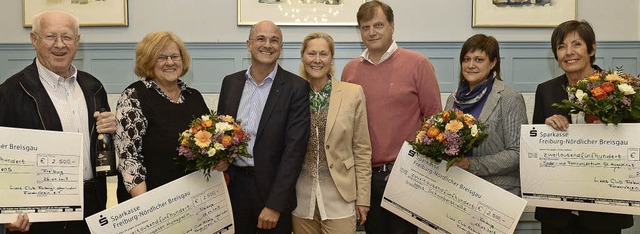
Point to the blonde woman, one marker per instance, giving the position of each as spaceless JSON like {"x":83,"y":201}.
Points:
{"x":334,"y":186}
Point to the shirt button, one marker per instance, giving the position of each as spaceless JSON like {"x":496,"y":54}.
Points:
{"x":328,"y":147}
{"x":331,"y":166}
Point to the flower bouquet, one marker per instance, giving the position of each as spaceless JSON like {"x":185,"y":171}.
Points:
{"x":612,"y":96}
{"x":209,"y":139}
{"x":448,"y":135}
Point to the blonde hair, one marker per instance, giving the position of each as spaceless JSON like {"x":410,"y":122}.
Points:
{"x":148,"y":50}
{"x":305,"y":44}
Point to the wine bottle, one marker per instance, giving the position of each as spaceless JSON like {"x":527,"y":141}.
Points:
{"x":105,"y":154}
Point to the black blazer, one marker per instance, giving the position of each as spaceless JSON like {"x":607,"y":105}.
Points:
{"x":547,"y":93}
{"x":283,"y":133}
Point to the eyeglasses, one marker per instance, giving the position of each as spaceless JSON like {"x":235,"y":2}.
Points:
{"x":52,"y":38}
{"x":165,"y":58}
{"x":262,"y":40}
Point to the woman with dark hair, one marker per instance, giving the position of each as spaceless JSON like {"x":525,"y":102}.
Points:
{"x":153,"y":111}
{"x":574,"y":47}
{"x":482,"y":94}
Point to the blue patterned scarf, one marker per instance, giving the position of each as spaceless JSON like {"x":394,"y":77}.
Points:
{"x":472,"y":101}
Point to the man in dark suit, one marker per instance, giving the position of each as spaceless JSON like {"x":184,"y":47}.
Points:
{"x":272,"y":105}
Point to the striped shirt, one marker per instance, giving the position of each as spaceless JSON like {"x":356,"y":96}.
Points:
{"x":254,"y":97}
{"x":68,"y":99}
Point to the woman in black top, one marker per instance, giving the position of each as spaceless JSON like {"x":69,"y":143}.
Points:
{"x":574,"y":46}
{"x":153,"y":111}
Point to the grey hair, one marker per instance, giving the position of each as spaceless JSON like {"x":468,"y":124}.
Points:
{"x":37,"y":20}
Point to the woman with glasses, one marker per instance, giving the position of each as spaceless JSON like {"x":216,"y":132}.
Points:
{"x":333,"y":188}
{"x":153,"y":111}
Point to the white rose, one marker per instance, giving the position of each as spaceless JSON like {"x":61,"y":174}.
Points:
{"x":474,"y":130}
{"x":223,"y":127}
{"x":204,"y":118}
{"x":580,"y":94}
{"x":626,"y":89}
{"x":211,"y":152}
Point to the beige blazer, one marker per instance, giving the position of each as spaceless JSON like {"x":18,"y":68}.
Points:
{"x":347,"y":143}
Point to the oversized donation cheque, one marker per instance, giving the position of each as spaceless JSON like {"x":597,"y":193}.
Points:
{"x":448,"y":201}
{"x":40,"y":174}
{"x":190,"y":204}
{"x":593,"y":167}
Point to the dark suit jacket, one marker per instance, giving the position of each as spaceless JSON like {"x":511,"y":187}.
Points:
{"x":283,"y":133}
{"x":547,"y":93}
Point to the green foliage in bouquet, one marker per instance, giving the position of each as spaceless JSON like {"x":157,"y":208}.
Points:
{"x":209,"y":139}
{"x":448,"y":135}
{"x":610,"y":95}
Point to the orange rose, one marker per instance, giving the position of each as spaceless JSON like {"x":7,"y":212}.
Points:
{"x":440,"y":137}
{"x":433,"y":132}
{"x":608,"y":87}
{"x":445,"y":116}
{"x":207,"y":124}
{"x":226,"y":141}
{"x":239,"y":134}
{"x":598,"y":93}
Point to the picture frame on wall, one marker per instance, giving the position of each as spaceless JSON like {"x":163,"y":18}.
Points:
{"x":299,"y":12}
{"x":89,"y":12}
{"x":522,"y":13}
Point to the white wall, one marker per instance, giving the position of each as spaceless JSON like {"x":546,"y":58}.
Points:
{"x":416,"y":20}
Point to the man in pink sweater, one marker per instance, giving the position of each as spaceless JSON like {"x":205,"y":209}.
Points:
{"x":401,"y":90}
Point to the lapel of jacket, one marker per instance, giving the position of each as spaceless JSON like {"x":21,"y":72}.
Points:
{"x":335,"y":102}
{"x":277,"y":87}
{"x":33,"y":86}
{"x":235,"y":94}
{"x":492,"y":101}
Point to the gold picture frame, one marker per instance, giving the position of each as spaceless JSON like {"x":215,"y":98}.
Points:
{"x":89,"y":12}
{"x":299,"y":12}
{"x":522,"y":13}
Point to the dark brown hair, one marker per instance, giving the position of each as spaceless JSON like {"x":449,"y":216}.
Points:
{"x":484,"y":43}
{"x":368,"y":10}
{"x":582,"y":28}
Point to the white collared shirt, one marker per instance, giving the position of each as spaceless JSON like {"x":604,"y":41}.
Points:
{"x":68,"y":99}
{"x":385,"y":56}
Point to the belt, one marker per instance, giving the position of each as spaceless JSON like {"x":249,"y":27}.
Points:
{"x":247,"y":170}
{"x":383,"y":168}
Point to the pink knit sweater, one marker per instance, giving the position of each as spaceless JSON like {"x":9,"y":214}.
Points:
{"x":400,"y":92}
